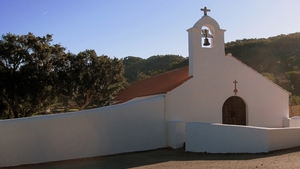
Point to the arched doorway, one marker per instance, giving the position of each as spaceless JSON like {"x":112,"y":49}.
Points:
{"x":234,"y":111}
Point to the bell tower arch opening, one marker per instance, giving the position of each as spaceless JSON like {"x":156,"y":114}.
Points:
{"x":206,"y":37}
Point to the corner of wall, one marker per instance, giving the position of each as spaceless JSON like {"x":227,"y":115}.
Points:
{"x":175,"y":134}
{"x":286,"y":122}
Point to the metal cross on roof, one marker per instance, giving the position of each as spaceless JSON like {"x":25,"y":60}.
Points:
{"x":205,"y":10}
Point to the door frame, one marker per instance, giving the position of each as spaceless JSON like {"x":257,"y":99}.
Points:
{"x":239,"y":99}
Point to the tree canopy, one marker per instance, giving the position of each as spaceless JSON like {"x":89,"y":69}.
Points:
{"x":27,"y":73}
{"x":89,"y":78}
{"x":35,"y":74}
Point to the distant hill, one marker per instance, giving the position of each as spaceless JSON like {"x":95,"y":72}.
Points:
{"x":277,"y":58}
{"x":137,"y":68}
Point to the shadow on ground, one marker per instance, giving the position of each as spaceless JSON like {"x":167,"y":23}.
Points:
{"x":146,"y":158}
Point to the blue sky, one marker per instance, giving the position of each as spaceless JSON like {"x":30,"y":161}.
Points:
{"x":143,"y":28}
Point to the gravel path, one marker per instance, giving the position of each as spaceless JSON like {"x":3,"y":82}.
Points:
{"x":170,"y":159}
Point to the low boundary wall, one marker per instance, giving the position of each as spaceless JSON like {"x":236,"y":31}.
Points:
{"x":103,"y":131}
{"x":220,"y":138}
{"x":292,"y":122}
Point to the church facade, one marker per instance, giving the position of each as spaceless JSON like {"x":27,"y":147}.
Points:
{"x":215,"y":87}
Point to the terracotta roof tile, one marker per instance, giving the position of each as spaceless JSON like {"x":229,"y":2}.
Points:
{"x":158,"y":84}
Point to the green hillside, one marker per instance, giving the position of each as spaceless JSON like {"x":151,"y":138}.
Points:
{"x":137,"y":68}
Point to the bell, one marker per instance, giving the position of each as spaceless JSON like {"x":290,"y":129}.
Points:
{"x":206,"y":42}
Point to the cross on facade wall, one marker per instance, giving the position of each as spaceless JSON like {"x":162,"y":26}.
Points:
{"x":235,"y":89}
{"x":205,"y":10}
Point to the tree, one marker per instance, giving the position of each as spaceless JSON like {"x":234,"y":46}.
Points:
{"x":133,"y":66}
{"x":4,"y":114}
{"x":270,"y":76}
{"x":89,"y":78}
{"x":294,"y":100}
{"x":27,"y":73}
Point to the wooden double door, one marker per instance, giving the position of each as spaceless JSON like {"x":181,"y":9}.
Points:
{"x":234,"y":111}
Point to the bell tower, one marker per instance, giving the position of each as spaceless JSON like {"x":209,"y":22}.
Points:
{"x":206,"y":43}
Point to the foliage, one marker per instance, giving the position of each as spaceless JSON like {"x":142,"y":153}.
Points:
{"x":138,"y":68}
{"x":295,"y":100}
{"x":270,"y":76}
{"x":88,"y":79}
{"x":36,"y":75}
{"x":27,"y":73}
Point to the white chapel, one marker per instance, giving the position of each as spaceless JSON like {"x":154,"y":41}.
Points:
{"x":216,"y":104}
{"x":215,"y":87}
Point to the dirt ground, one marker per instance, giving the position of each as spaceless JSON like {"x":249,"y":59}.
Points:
{"x":170,"y":159}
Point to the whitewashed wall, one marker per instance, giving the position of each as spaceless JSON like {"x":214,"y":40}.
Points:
{"x":130,"y":127}
{"x":282,"y":138}
{"x":219,"y":138}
